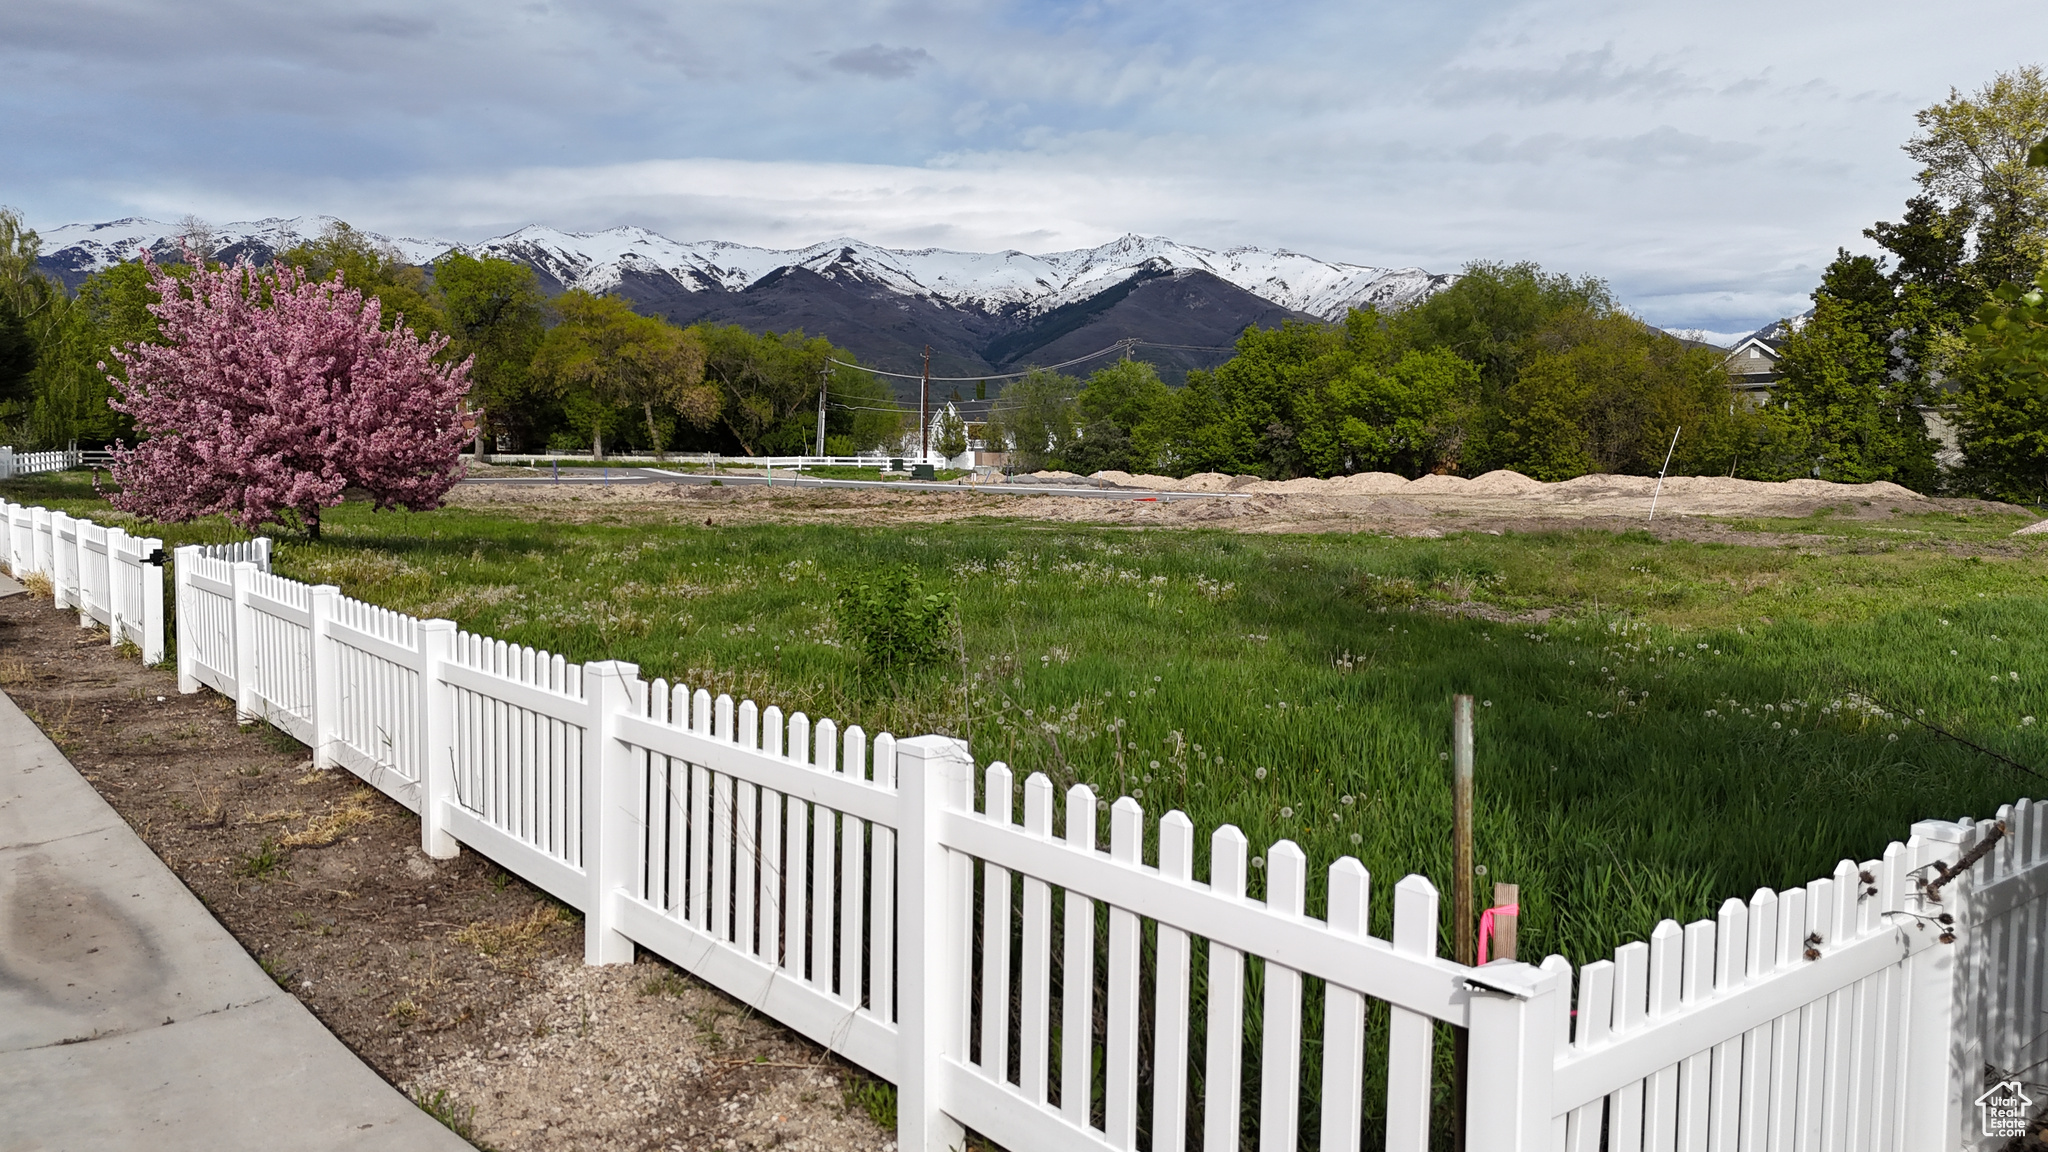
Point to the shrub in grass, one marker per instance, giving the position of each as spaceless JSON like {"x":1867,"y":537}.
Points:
{"x":894,"y":622}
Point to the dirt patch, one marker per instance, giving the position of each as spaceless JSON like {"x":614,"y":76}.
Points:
{"x":1373,"y":502}
{"x":447,"y":977}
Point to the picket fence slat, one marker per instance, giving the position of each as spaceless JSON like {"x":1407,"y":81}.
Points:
{"x":998,"y":805}
{"x":1343,"y":1115}
{"x":1077,"y":972}
{"x":1224,"y":1075}
{"x":1411,"y":1035}
{"x":1280,"y":1048}
{"x":1034,"y":1044}
{"x":1120,"y":1045}
{"x":1171,"y":989}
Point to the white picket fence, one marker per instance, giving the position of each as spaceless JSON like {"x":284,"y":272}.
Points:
{"x":860,"y":892}
{"x":113,"y":579}
{"x":14,"y":463}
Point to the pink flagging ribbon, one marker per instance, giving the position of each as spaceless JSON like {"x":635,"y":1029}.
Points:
{"x":1486,"y":925}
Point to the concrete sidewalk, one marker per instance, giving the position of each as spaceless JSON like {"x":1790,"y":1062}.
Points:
{"x":130,"y":1019}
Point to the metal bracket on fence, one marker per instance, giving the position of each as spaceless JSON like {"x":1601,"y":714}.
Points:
{"x":1505,"y":988}
{"x":156,"y":557}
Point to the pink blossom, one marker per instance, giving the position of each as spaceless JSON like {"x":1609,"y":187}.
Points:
{"x":272,"y":395}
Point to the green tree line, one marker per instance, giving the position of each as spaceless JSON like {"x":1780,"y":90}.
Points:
{"x":1510,"y":367}
{"x":578,"y":372}
{"x":1515,"y":367}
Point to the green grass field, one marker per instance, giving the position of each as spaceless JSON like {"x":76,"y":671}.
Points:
{"x":1694,"y":721}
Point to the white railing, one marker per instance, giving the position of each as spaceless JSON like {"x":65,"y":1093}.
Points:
{"x":884,"y":898}
{"x":14,"y":463}
{"x":113,"y":579}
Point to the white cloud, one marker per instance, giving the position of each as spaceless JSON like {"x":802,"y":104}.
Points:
{"x":1705,"y":159}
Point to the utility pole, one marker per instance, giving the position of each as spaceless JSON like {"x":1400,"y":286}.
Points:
{"x":824,"y":374}
{"x":924,"y":408}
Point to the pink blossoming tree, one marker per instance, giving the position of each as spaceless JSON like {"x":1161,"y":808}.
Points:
{"x":271,"y":395}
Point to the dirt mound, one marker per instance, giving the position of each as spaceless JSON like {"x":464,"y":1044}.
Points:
{"x":1367,"y":484}
{"x":1600,"y":485}
{"x":1144,"y":480}
{"x":1503,"y":481}
{"x":1302,"y":485}
{"x":1434,"y":485}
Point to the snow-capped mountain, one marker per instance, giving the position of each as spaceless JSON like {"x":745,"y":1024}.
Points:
{"x":986,"y":281}
{"x":989,"y":281}
{"x":978,"y":313}
{"x":78,"y":250}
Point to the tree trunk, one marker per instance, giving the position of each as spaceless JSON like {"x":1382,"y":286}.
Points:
{"x":653,"y":435}
{"x":312,"y":518}
{"x":482,"y":454}
{"x":597,"y":443}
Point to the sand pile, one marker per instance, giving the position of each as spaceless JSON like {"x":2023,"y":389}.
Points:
{"x":1507,"y":491}
{"x":2037,"y":528}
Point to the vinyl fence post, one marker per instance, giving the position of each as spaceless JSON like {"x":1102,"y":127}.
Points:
{"x":1511,"y":1058}
{"x":64,"y":580}
{"x":184,"y":562}
{"x":933,"y":774}
{"x":16,"y":563}
{"x":42,"y":542}
{"x":1944,"y":1067}
{"x":321,"y":598}
{"x":437,"y":731}
{"x":117,"y":618}
{"x":152,"y":603}
{"x":243,"y":575}
{"x":612,"y":825}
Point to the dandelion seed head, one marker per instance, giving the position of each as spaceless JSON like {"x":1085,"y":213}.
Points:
{"x":1286,"y":812}
{"x":1261,"y":774}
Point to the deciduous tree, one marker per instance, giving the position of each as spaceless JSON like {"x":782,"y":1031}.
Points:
{"x":496,"y":312}
{"x":606,"y":358}
{"x":271,"y":395}
{"x":1973,"y":156}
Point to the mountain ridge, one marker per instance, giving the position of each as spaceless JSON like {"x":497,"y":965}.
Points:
{"x":982,"y":311}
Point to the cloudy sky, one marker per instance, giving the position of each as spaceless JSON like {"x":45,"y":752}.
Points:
{"x":1706,"y":159}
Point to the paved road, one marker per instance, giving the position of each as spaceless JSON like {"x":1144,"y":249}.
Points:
{"x":130,"y":1019}
{"x":661,"y":476}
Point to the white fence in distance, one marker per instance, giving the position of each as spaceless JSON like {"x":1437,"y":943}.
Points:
{"x":111,"y":578}
{"x":856,"y":890}
{"x":14,"y":463}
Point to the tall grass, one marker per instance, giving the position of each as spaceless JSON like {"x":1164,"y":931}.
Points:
{"x":1692,"y":721}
